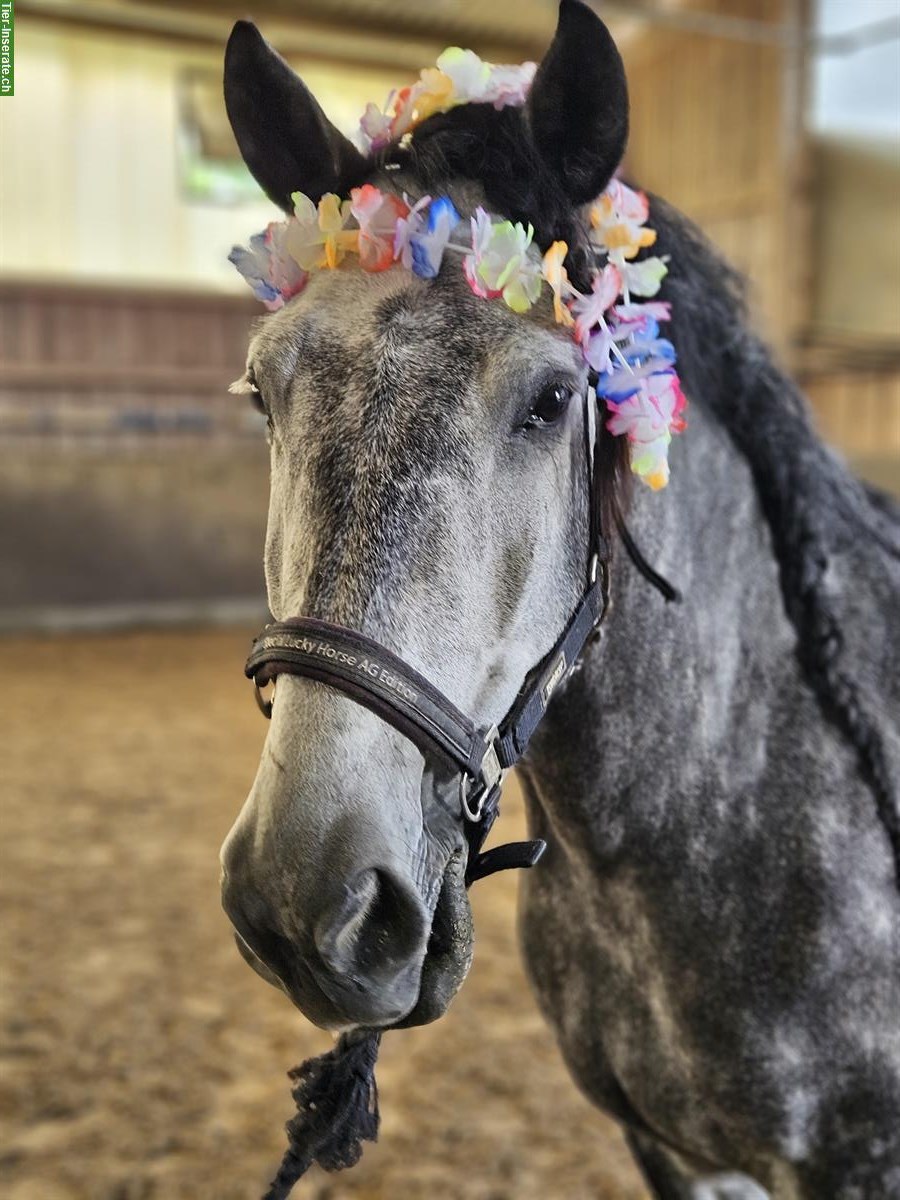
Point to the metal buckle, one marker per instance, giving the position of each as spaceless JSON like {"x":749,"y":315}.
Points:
{"x":491,"y":771}
{"x":490,"y":776}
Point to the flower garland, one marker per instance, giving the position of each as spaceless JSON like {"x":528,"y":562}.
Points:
{"x":619,"y":337}
{"x":459,"y":77}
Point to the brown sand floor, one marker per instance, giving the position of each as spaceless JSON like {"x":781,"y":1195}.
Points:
{"x":140,"y":1057}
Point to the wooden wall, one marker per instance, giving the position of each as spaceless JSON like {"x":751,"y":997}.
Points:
{"x":858,"y":411}
{"x":128,"y":474}
{"x":96,"y":364}
{"x":718,"y":129}
{"x":714,"y":130}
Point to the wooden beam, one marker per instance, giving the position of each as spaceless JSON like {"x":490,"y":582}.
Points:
{"x":134,"y":295}
{"x":97,"y":377}
{"x":311,"y":39}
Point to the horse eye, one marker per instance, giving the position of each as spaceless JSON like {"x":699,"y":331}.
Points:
{"x":549,"y":406}
{"x":257,"y":401}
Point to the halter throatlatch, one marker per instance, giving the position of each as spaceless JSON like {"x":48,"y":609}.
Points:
{"x":379,"y":680}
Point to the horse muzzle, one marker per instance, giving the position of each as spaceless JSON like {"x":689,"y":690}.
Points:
{"x":359,"y":958}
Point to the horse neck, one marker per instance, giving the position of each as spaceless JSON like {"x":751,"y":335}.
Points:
{"x":662,"y":700}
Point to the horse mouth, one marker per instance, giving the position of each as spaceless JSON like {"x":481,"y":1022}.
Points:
{"x":253,"y":960}
{"x":450,"y":949}
{"x":448,"y":956}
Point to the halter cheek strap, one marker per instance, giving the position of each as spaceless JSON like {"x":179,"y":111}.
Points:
{"x":378,"y":679}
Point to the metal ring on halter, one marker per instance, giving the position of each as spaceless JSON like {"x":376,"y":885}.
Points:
{"x":264,"y":705}
{"x":472,"y":814}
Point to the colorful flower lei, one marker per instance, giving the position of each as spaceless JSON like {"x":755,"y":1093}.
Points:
{"x":619,"y":337}
{"x":459,"y":77}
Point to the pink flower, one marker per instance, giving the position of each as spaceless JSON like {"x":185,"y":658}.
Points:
{"x":589,"y":310}
{"x":376,"y":127}
{"x":632,"y":205}
{"x":409,"y":227}
{"x":509,"y":85}
{"x":635,"y":318}
{"x":377,"y":213}
{"x":648,"y":418}
{"x":598,"y":349}
{"x":284,"y":272}
{"x":403,"y":103}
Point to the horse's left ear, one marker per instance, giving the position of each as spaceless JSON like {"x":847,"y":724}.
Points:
{"x":578,"y":104}
{"x":283,"y":136}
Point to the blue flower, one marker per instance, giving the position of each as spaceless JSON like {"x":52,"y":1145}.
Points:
{"x":620,"y":384}
{"x":428,"y":247}
{"x":643,"y":348}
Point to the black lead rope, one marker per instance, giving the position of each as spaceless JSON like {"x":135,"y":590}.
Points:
{"x":669,"y":593}
{"x":335,"y":1094}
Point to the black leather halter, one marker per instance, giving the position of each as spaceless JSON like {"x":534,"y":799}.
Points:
{"x":375,"y":677}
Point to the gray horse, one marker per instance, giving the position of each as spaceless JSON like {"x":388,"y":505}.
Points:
{"x":714,"y":932}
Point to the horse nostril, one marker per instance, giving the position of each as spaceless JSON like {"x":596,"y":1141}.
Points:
{"x":374,"y":930}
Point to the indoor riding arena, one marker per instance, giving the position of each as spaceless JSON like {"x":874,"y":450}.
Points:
{"x":140,"y":1057}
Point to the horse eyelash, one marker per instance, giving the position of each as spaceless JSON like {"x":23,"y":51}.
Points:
{"x":247,"y":386}
{"x":243,"y":386}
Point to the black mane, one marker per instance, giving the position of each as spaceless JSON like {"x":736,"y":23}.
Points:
{"x":814,"y":507}
{"x":494,"y":149}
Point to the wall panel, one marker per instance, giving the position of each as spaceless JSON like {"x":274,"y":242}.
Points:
{"x":711,"y":132}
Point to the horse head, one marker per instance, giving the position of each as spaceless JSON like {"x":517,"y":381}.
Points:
{"x":428,"y":489}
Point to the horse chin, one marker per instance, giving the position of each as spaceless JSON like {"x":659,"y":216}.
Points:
{"x":257,"y":964}
{"x":450,"y":950}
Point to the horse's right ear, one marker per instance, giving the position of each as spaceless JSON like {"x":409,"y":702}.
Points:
{"x":287,"y":142}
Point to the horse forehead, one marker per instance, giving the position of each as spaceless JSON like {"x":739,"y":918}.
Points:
{"x":385,"y":414}
{"x":381,"y":369}
{"x":349,"y":321}
{"x":384,"y":399}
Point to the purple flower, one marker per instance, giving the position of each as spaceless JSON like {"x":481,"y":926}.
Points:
{"x":255,"y":264}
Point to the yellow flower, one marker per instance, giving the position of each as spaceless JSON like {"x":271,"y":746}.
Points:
{"x":302,"y":239}
{"x":333,"y":215}
{"x":555,"y":273}
{"x":436,"y":95}
{"x":659,"y":478}
{"x":628,"y":238}
{"x":617,"y":232}
{"x":602,"y":212}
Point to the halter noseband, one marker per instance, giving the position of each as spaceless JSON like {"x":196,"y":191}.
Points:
{"x":378,"y":679}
